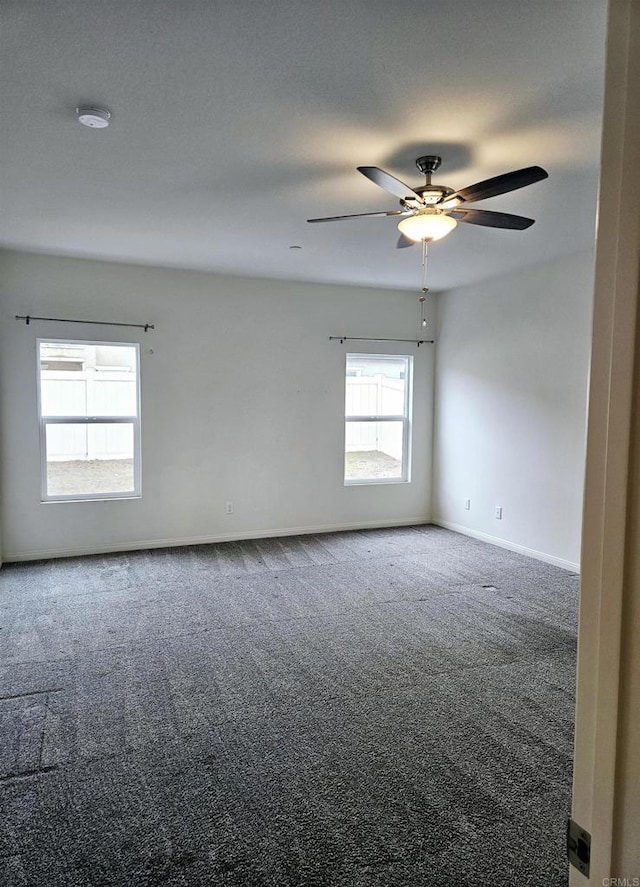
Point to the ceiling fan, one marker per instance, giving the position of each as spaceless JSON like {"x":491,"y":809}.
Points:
{"x":431,"y":211}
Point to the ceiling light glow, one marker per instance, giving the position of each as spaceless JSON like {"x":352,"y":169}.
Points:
{"x":428,"y":224}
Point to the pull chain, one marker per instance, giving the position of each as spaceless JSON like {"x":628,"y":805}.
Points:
{"x":424,"y":265}
{"x":425,"y":288}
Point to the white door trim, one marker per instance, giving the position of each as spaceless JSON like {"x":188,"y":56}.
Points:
{"x":608,"y":492}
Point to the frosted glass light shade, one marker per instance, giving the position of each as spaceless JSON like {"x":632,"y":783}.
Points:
{"x":429,"y":225}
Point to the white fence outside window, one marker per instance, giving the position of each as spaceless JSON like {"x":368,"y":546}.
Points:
{"x":89,"y":392}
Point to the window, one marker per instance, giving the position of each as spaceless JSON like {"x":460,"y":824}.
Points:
{"x":377,"y":418}
{"x":89,"y":410}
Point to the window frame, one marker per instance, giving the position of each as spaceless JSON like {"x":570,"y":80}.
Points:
{"x":405,"y":418}
{"x":45,"y":421}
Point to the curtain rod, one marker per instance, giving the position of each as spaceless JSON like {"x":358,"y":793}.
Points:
{"x":29,"y":317}
{"x":342,"y":339}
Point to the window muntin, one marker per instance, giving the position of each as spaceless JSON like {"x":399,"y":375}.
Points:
{"x":88,"y":401}
{"x":377,"y":418}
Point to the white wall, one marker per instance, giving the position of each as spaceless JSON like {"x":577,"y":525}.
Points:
{"x":510,"y":407}
{"x":275,"y":450}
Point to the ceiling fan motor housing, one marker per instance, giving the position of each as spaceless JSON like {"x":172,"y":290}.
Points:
{"x":432,"y":194}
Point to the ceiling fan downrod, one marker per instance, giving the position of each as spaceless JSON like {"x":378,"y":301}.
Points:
{"x":428,"y":165}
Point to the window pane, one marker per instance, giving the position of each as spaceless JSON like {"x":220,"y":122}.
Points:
{"x":375,"y":386}
{"x":373,"y":450}
{"x":87,"y":459}
{"x":88,"y":379}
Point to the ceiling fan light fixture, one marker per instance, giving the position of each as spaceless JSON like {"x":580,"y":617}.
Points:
{"x":429,"y":224}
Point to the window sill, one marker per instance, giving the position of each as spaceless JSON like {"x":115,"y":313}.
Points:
{"x":376,"y":481}
{"x":99,"y":498}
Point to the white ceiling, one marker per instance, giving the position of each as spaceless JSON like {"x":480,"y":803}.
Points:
{"x":236,"y":120}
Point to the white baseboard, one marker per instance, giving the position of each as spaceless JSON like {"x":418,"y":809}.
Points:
{"x":143,"y":544}
{"x":511,"y":546}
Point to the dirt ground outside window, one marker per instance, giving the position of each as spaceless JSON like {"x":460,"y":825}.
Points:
{"x":90,"y":476}
{"x":371,"y":464}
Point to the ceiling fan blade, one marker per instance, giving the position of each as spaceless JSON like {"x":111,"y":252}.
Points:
{"x":508,"y":181}
{"x":404,"y":242}
{"x":388,"y":182}
{"x":491,"y":219}
{"x":390,"y":212}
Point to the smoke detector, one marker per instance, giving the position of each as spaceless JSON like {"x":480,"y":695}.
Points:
{"x":96,"y":118}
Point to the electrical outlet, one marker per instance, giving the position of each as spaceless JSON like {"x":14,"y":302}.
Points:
{"x":498,"y":512}
{"x":467,"y":504}
{"x":229,"y":508}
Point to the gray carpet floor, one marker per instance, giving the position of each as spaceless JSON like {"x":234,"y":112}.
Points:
{"x":387,"y":708}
